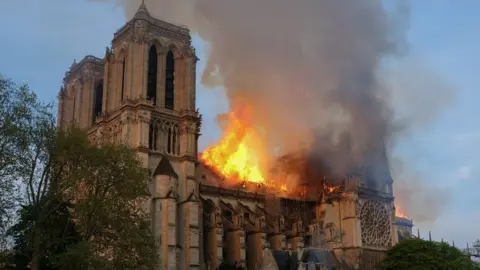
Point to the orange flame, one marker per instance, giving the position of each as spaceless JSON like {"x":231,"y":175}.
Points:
{"x":400,"y":213}
{"x":237,"y":155}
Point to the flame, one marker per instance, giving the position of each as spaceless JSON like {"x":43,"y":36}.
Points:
{"x":400,"y":213}
{"x":238,"y":154}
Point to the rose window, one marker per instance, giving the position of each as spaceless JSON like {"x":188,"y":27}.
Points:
{"x":375,"y":224}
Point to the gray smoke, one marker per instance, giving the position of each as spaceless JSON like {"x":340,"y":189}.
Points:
{"x":421,"y":201}
{"x":311,"y":71}
{"x":307,"y":69}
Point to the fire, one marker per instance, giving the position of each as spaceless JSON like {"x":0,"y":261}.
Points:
{"x":400,"y":213}
{"x":237,"y":156}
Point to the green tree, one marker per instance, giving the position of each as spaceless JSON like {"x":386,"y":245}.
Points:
{"x":20,"y":112}
{"x":99,"y":193}
{"x":60,"y":234}
{"x":421,"y":254}
{"x":106,"y":189}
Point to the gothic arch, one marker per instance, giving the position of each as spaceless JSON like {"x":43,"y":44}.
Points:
{"x":208,"y":206}
{"x":159,"y":45}
{"x":122,"y":53}
{"x":175,"y":49}
{"x":164,"y":136}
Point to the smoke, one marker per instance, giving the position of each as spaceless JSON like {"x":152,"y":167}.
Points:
{"x":305,"y":69}
{"x":420,"y":200}
{"x":311,"y":71}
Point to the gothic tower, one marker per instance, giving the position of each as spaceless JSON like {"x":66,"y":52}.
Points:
{"x":157,"y":65}
{"x":143,"y":93}
{"x":358,"y":216}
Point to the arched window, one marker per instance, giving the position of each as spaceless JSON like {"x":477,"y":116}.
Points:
{"x":97,"y":101}
{"x":174,"y":143}
{"x":152,"y":75}
{"x":169,"y":81}
{"x":151,"y":137}
{"x":123,"y":78}
{"x":169,"y":143}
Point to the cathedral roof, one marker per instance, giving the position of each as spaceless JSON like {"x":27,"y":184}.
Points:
{"x":164,"y":167}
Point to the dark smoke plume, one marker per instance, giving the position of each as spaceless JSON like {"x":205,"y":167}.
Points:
{"x":303,"y":66}
{"x":311,"y":71}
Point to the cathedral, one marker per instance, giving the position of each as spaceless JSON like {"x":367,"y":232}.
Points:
{"x":143,"y":93}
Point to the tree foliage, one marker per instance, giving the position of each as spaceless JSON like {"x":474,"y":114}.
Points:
{"x":59,"y":235}
{"x":20,"y":115}
{"x":421,"y":254}
{"x":83,"y":205}
{"x":105,"y":189}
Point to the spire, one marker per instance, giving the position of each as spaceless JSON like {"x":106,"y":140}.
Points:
{"x":142,"y":9}
{"x":165,"y":168}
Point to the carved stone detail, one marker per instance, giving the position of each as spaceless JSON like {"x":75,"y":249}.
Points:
{"x":140,"y":30}
{"x":375,"y":224}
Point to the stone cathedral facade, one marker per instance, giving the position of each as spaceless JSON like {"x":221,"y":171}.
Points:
{"x":143,"y":93}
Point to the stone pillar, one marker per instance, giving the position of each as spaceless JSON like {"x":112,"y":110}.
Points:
{"x":214,"y":238}
{"x":257,"y":243}
{"x":277,"y":238}
{"x":179,"y":83}
{"x":188,"y":236}
{"x":106,"y":87}
{"x":296,"y":239}
{"x":164,"y":213}
{"x":193,"y":231}
{"x":190,"y":78}
{"x":139,"y":73}
{"x":129,"y":71}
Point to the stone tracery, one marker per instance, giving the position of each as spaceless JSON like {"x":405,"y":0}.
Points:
{"x":164,"y":136}
{"x":375,"y":224}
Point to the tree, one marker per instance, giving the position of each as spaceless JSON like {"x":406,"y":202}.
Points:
{"x":97,"y":194}
{"x":421,"y":254}
{"x":106,"y":190}
{"x":60,"y":233}
{"x":19,"y":114}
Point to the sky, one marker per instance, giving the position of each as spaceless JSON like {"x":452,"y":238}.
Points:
{"x":39,"y":43}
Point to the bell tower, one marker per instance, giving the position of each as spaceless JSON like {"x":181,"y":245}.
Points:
{"x":150,"y":84}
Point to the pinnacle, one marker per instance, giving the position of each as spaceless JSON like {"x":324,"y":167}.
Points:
{"x":142,"y":8}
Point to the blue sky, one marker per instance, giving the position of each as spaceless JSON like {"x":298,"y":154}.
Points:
{"x":39,"y":43}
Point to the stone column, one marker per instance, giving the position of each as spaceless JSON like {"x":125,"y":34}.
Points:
{"x":164,"y":218}
{"x":277,"y":237}
{"x":190,"y":78}
{"x":213,"y":236}
{"x":179,"y":83}
{"x":296,"y":239}
{"x":139,"y":71}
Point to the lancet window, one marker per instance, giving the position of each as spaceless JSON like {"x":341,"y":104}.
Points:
{"x":97,"y":101}
{"x":152,"y":74}
{"x":164,"y":137}
{"x":123,"y":78}
{"x":169,"y":81}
